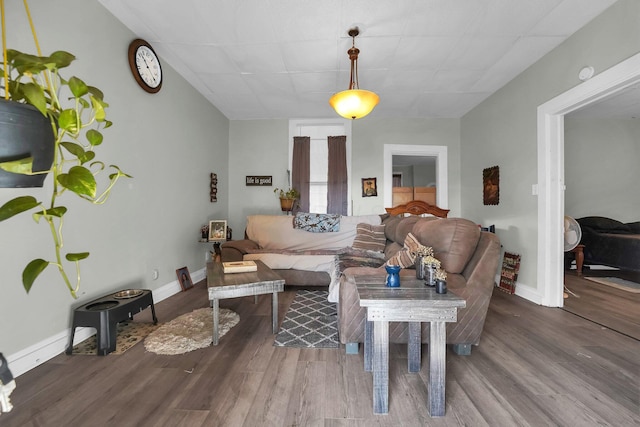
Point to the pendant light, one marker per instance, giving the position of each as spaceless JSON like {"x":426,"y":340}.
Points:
{"x":354,"y":103}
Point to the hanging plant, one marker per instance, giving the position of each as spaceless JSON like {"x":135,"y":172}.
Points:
{"x":76,"y":115}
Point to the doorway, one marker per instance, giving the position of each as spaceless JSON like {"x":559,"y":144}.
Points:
{"x":550,"y":185}
{"x":438,"y":152}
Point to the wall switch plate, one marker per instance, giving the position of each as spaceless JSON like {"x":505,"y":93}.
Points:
{"x":534,"y":190}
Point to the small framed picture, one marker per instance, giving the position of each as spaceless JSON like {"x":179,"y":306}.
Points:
{"x":184,"y":278}
{"x":369,"y":187}
{"x":218,"y":230}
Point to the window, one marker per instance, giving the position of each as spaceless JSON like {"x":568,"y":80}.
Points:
{"x":318,"y":175}
{"x":318,"y":131}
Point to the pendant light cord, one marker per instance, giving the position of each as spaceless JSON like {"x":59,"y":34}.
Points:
{"x":4,"y":43}
{"x":33,"y":28}
{"x":4,"y":53}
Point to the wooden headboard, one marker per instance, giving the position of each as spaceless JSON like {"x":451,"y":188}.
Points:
{"x":418,"y":207}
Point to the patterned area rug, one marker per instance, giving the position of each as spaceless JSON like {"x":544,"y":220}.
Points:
{"x":129,"y":334}
{"x":310,"y":322}
{"x":189,"y":332}
{"x":618,"y":283}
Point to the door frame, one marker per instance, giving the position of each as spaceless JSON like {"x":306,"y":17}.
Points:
{"x":551,"y":181}
{"x":437,"y":151}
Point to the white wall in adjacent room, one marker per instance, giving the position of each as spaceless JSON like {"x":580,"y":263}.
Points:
{"x":601,"y":168}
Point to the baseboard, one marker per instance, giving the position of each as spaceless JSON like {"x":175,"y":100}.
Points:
{"x":528,"y":293}
{"x":524,"y":291}
{"x":38,"y":353}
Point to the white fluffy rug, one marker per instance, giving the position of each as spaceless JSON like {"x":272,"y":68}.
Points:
{"x":189,"y":332}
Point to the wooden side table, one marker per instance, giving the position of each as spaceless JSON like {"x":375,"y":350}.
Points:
{"x":412,"y":302}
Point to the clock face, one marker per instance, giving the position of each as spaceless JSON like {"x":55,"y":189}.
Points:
{"x":145,"y":66}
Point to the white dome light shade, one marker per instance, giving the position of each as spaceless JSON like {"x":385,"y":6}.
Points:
{"x":354,"y":103}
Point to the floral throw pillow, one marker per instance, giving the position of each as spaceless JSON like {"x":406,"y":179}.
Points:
{"x":317,"y":223}
{"x":406,"y":257}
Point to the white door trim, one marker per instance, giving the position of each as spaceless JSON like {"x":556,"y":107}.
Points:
{"x":551,"y":168}
{"x":437,"y":151}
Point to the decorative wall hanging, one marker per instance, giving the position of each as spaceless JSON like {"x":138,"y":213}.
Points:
{"x":491,"y":186}
{"x":214,"y":188}
{"x":369,"y":187}
{"x":258,"y":180}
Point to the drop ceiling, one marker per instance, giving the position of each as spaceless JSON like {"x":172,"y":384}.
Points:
{"x":280,"y":59}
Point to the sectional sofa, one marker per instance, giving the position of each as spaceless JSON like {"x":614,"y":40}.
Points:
{"x":361,"y":245}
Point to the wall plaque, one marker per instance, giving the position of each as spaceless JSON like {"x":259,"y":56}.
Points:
{"x":259,"y":180}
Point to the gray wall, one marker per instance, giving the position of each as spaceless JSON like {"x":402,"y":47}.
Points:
{"x":260,"y":147}
{"x":256,"y":147}
{"x":169,"y":142}
{"x":369,"y":138}
{"x":502,"y":130}
{"x":601,"y":168}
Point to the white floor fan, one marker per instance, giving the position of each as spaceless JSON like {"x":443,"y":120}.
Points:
{"x":572,"y":236}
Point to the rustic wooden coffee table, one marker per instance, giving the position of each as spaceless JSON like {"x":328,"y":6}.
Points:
{"x":232,"y":285}
{"x":412,"y":302}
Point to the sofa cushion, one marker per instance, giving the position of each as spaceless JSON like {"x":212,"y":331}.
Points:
{"x":603,"y":224}
{"x":390,"y":224}
{"x":634,"y":227}
{"x":406,"y":257}
{"x":277,"y":232}
{"x":453,"y":240}
{"x":370,"y":237}
{"x":317,"y":223}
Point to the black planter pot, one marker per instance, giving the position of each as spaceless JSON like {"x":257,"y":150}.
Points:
{"x":24,"y":132}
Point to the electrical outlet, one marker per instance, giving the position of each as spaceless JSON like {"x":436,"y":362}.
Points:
{"x":155,"y":274}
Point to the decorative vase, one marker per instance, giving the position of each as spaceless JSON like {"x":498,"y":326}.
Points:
{"x":441,"y":286}
{"x":420,"y":267}
{"x":24,"y":132}
{"x":429,"y":275}
{"x":393,"y":276}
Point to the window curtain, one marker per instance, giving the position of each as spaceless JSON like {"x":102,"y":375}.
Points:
{"x":337,"y":202}
{"x":301,"y":169}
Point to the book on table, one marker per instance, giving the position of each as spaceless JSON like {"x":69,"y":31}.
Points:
{"x":239,"y":266}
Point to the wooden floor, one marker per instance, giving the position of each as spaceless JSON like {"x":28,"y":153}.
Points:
{"x":608,"y":306}
{"x":536,"y":366}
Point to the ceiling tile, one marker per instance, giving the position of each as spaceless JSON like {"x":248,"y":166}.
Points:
{"x":284,"y":58}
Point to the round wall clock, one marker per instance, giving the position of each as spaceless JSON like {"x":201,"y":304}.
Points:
{"x":145,"y":66}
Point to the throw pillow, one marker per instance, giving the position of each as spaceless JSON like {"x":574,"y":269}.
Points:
{"x":317,"y":223}
{"x":369,"y":237}
{"x":406,"y":257}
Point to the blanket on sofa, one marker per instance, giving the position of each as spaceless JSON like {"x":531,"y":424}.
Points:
{"x":331,"y":262}
{"x":277,"y":232}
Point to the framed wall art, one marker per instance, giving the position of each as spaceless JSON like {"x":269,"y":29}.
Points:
{"x":213,"y":193}
{"x":217,"y":230}
{"x":491,"y":186}
{"x":369,"y":187}
{"x":184,"y":278}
